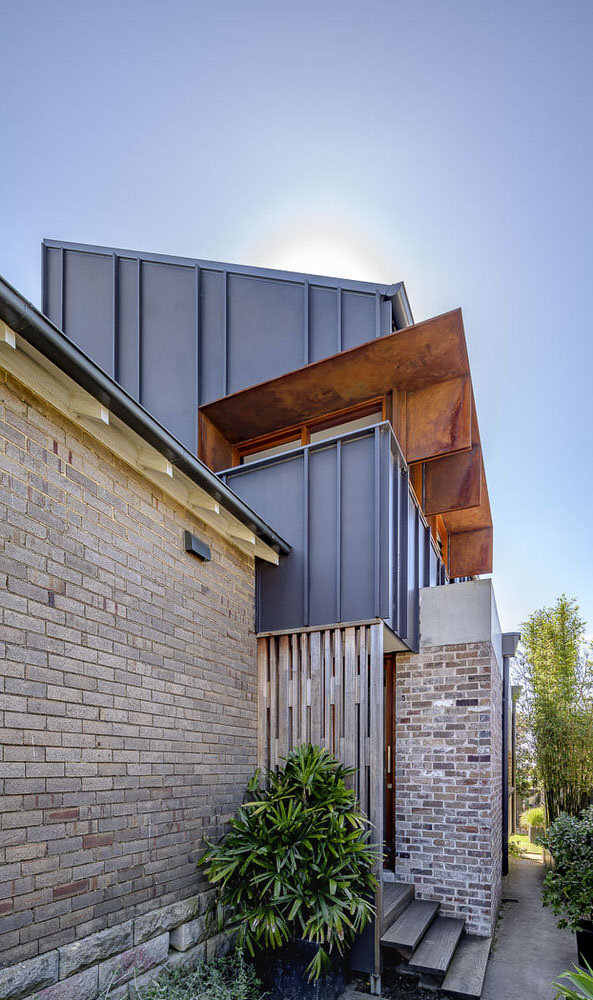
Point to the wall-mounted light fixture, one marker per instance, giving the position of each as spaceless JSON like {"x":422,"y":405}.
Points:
{"x":196,"y":546}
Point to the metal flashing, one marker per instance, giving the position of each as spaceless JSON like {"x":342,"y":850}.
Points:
{"x":299,"y":277}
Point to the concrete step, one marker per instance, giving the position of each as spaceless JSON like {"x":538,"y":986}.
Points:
{"x":397,"y":896}
{"x":437,"y":947}
{"x":465,"y":976}
{"x":409,"y":928}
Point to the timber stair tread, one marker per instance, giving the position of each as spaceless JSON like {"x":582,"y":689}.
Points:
{"x":466,"y":974}
{"x":433,"y":945}
{"x":396,"y":898}
{"x":410,"y":927}
{"x":437,"y":947}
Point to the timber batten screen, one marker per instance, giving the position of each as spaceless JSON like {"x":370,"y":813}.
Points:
{"x":326,"y":687}
{"x":323,"y":687}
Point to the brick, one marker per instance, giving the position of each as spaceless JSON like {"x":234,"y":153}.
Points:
{"x":448,"y":788}
{"x":97,"y":840}
{"x":62,"y":815}
{"x":139,"y":658}
{"x":72,"y":889}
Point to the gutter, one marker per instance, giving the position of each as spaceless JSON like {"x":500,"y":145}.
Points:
{"x":401,"y":310}
{"x":23,"y":318}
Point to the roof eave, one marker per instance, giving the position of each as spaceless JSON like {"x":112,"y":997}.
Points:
{"x":28,"y":322}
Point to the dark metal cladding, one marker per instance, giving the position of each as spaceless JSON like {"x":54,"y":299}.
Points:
{"x":360,"y":546}
{"x":22,"y":317}
{"x":177,"y":333}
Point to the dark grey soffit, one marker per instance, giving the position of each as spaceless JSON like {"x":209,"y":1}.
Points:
{"x":396,"y":292}
{"x":22,"y":317}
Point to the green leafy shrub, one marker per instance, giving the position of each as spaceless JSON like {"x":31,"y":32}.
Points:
{"x":515,"y":849}
{"x":297,"y":862}
{"x":568,"y":887}
{"x":582,"y":980}
{"x":532,"y":817}
{"x":227,"y":978}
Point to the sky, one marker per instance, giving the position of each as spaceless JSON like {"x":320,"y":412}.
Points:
{"x":445,"y":143}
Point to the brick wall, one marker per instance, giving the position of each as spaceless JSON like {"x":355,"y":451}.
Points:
{"x":128,"y":686}
{"x":449,"y":779}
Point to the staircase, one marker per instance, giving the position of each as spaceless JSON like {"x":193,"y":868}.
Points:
{"x":431,"y":945}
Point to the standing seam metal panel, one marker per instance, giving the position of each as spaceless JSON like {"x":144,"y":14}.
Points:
{"x":357,"y":534}
{"x":268,"y":323}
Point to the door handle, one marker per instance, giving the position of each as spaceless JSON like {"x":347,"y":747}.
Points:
{"x":389,"y":759}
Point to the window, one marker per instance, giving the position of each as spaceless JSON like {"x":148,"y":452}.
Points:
{"x":312,"y":431}
{"x":254,"y":456}
{"x":351,"y":425}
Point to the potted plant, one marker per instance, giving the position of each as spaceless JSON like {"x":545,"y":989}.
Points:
{"x":568,"y":886}
{"x":294,"y":874}
{"x":533,"y":820}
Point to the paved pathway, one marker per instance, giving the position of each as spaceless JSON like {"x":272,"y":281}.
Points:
{"x":530,"y":950}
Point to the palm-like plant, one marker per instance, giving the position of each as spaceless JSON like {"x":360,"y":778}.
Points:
{"x":297,"y":862}
{"x":582,"y":980}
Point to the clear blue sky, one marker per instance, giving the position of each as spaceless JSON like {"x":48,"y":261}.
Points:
{"x":443,"y":142}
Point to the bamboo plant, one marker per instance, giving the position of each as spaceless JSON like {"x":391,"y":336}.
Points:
{"x":557,"y":675}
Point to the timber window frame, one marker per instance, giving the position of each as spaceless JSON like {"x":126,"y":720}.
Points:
{"x":300,"y":434}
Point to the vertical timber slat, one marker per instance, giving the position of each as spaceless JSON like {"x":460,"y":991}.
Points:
{"x":316,"y":686}
{"x":294,"y":693}
{"x":283,"y":693}
{"x":363,"y":722}
{"x":350,"y":734}
{"x":338,"y":694}
{"x":262,"y":701}
{"x":273,"y":702}
{"x":305,"y":689}
{"x":376,"y":777}
{"x":327,"y":686}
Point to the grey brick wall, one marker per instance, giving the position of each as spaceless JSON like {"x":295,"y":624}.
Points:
{"x":449,"y":779}
{"x":128,"y":686}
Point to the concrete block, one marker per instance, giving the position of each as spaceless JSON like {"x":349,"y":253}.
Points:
{"x":187,"y":959}
{"x":219,"y":945}
{"x":157,"y":921}
{"x":120,"y":968}
{"x":460,"y":613}
{"x":84,"y":986}
{"x":95,"y":948}
{"x":186,"y":935}
{"x":26,"y":977}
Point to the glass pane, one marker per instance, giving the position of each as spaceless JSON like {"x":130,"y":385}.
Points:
{"x":254,"y":456}
{"x":351,"y":425}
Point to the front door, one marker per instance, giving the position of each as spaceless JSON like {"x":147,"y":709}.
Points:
{"x":389,"y":756}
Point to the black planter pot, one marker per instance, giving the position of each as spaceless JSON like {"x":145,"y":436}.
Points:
{"x":283,"y":973}
{"x":585,"y":943}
